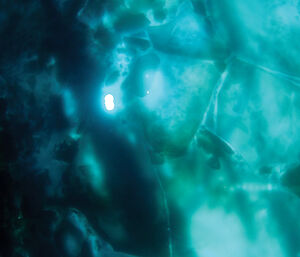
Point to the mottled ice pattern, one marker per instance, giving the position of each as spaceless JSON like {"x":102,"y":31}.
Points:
{"x":150,"y":128}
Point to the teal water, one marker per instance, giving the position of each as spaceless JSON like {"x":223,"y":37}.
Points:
{"x":150,"y":128}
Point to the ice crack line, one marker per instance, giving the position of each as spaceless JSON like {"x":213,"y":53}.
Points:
{"x":213,"y":102}
{"x":292,"y":79}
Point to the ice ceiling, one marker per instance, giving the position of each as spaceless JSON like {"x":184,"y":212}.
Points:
{"x":150,"y":128}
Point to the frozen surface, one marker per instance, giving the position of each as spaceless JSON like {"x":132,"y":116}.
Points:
{"x":150,"y":128}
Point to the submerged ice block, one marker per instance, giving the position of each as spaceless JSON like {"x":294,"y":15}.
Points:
{"x":188,"y":34}
{"x":151,"y":128}
{"x":258,"y":114}
{"x":264,"y":32}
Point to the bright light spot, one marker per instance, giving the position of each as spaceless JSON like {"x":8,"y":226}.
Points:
{"x":148,"y":92}
{"x":147,"y":75}
{"x":109,"y":102}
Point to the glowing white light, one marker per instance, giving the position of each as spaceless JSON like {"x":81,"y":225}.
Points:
{"x":148,"y":92}
{"x":109,"y":102}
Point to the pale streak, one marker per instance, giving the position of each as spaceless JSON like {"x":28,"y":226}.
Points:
{"x":213,"y":102}
{"x":292,"y":79}
{"x":167,"y":211}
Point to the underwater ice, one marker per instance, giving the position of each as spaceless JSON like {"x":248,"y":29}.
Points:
{"x":166,"y":128}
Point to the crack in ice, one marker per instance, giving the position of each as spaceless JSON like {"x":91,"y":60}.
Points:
{"x":292,"y":79}
{"x":213,"y":102}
